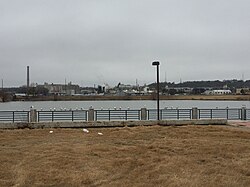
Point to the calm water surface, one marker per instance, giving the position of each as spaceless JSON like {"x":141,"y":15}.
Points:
{"x":47,"y":105}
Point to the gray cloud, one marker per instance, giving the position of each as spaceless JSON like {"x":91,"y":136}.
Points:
{"x":91,"y":42}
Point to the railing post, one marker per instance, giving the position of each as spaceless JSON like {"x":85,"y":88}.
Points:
{"x":144,"y":113}
{"x":178,"y":113}
{"x":243,"y":113}
{"x":86,"y":113}
{"x":38,"y":116}
{"x":126,"y":115}
{"x":91,"y":114}
{"x":194,"y":113}
{"x":33,"y":115}
{"x":52,"y":115}
{"x":109,"y":115}
{"x":13,"y":116}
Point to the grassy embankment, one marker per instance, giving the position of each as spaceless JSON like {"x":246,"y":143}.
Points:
{"x":139,"y":156}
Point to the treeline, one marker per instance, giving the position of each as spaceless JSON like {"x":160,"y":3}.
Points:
{"x":39,"y":90}
{"x":217,"y":84}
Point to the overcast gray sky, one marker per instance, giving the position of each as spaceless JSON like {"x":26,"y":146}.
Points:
{"x":109,"y":41}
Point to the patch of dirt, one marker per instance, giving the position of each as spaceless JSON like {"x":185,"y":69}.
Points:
{"x":138,"y":156}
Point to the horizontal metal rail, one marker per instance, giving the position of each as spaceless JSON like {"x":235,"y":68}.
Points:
{"x":111,"y":115}
{"x":230,"y":114}
{"x":247,"y":114}
{"x":176,"y":114}
{"x":123,"y":115}
{"x":14,"y":116}
{"x":76,"y":115}
{"x":170,"y":114}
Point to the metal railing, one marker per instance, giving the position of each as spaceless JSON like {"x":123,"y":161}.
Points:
{"x":120,"y":115}
{"x":14,"y":116}
{"x":123,"y":115}
{"x":74,"y":115}
{"x":248,"y":114}
{"x":170,"y":114}
{"x":230,"y":114}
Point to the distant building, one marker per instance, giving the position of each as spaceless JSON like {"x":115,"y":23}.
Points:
{"x":146,"y":90}
{"x":178,"y":90}
{"x":62,"y":89}
{"x":88,"y":91}
{"x":101,"y":89}
{"x":124,"y":86}
{"x":57,"y":89}
{"x":243,"y":91}
{"x":218,"y":92}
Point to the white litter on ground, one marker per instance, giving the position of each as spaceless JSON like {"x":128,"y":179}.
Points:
{"x":85,"y":130}
{"x":50,"y":132}
{"x":99,"y":133}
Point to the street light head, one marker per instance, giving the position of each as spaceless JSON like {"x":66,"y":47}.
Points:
{"x":156,"y":63}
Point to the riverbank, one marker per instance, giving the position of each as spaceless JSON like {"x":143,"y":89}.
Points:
{"x":139,"y":97}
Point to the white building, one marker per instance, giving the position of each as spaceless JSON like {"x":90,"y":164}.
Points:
{"x":218,"y":92}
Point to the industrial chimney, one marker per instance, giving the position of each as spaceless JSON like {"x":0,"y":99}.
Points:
{"x":28,"y":79}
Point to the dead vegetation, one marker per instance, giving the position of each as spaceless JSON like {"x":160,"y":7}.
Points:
{"x":138,"y":156}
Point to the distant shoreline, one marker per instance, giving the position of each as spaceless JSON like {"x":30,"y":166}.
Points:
{"x":143,"y":97}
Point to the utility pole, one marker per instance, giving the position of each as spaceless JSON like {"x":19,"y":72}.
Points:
{"x":243,"y":77}
{"x":137,"y":85}
{"x":65,"y":84}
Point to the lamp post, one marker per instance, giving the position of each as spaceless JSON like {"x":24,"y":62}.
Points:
{"x":156,"y":63}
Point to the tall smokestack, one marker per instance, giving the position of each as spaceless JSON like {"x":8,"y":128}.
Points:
{"x":28,"y":79}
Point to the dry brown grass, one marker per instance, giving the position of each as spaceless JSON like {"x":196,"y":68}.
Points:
{"x":139,"y":156}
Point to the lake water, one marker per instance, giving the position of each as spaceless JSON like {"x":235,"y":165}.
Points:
{"x":47,"y":105}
